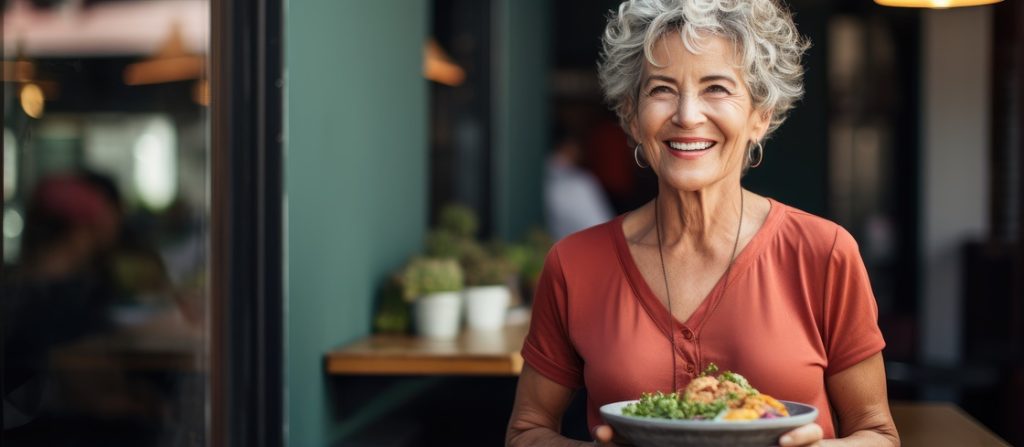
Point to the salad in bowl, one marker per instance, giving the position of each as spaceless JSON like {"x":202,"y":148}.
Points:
{"x":727,"y":396}
{"x":715,"y":409}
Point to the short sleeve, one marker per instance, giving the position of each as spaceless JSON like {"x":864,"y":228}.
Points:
{"x":548,"y":348}
{"x":851,"y":313}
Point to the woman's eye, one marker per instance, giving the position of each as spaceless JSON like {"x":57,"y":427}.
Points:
{"x":718,"y":89}
{"x":661,"y":89}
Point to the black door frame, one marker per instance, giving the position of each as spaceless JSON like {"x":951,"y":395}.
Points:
{"x":247,"y":288}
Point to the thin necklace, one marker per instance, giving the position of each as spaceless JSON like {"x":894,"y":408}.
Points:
{"x":664,"y":274}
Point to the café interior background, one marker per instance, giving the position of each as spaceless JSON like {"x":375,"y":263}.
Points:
{"x":908,"y":136}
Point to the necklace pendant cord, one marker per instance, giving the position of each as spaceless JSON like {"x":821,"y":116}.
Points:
{"x":668,"y":293}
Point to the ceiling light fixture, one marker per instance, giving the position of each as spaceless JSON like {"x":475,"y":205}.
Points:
{"x":934,"y":4}
{"x":32,"y":100}
{"x":439,"y":67}
{"x":172,"y":63}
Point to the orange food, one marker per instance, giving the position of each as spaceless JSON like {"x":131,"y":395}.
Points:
{"x":742,"y":401}
{"x":741,"y":414}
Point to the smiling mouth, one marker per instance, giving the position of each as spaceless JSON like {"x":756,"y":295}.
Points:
{"x":690,"y":147}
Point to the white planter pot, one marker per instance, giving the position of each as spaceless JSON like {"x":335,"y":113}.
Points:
{"x":486,"y":307}
{"x":437,"y":315}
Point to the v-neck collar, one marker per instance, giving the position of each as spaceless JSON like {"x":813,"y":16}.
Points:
{"x":650,"y":302}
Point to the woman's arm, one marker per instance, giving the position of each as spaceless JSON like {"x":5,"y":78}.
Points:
{"x":861,"y":403}
{"x":856,"y":392}
{"x":537,"y":412}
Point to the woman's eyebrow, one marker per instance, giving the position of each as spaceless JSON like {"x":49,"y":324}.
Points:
{"x":703,"y":80}
{"x":717,"y":77}
{"x":662,"y":78}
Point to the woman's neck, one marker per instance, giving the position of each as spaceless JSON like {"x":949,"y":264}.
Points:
{"x":699,"y":220}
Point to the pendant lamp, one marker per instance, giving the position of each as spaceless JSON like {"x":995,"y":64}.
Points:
{"x":439,"y":67}
{"x":934,"y":4}
{"x":173,"y":62}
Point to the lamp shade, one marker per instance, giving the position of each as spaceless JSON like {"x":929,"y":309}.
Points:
{"x":937,"y":4}
{"x":439,"y":67}
{"x":173,"y":62}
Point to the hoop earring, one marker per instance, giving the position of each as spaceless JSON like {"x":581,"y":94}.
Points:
{"x":760,"y":155}
{"x":636,"y":156}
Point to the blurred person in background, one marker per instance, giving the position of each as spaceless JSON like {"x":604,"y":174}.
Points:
{"x":82,"y":274}
{"x":573,"y":198}
{"x":61,"y":291}
{"x":706,"y":272}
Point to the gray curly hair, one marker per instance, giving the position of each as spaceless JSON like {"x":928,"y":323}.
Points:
{"x":768,"y":45}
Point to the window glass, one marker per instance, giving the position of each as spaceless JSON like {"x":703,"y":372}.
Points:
{"x":105,"y":223}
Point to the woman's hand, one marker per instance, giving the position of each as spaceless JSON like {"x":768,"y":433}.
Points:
{"x":604,"y":435}
{"x":805,"y":435}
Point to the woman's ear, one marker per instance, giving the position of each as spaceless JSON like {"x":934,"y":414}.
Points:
{"x":632,"y":123}
{"x":762,"y":120}
{"x":633,"y":130}
{"x":633,"y":138}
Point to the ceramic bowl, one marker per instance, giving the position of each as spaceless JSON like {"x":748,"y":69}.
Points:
{"x":653,"y":432}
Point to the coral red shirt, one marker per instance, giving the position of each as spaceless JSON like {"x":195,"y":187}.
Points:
{"x":797,"y":307}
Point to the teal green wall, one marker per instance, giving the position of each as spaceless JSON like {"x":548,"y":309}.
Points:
{"x":521,"y":121}
{"x":356,"y":181}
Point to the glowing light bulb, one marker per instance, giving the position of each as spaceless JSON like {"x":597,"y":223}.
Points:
{"x":32,"y":100}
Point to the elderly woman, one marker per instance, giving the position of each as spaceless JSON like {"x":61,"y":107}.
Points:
{"x":707,"y":271}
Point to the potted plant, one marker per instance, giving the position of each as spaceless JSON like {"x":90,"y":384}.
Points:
{"x":459,"y":220}
{"x":441,"y":243}
{"x":487,"y":292}
{"x":392,"y":315}
{"x":528,"y":259}
{"x":433,"y":286}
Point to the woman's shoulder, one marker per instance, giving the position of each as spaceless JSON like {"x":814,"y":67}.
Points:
{"x":596,"y":241}
{"x":812,"y":231}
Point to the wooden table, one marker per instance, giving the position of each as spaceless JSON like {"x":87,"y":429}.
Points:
{"x":472,"y":353}
{"x":940,"y":424}
{"x":164,"y":343}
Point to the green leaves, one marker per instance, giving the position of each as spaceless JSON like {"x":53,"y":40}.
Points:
{"x":671,"y":406}
{"x":710,"y":370}
{"x":488,"y":271}
{"x":459,"y":220}
{"x":730,"y":376}
{"x":674,"y":406}
{"x":423,"y":276}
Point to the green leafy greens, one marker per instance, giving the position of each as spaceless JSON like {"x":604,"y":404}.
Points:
{"x":730,"y":376}
{"x":675,"y":406}
{"x":672,"y":406}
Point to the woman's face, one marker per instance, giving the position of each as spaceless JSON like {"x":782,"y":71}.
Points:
{"x":695,"y":117}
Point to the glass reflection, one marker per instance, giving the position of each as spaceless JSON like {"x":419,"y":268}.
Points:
{"x":105,"y":216}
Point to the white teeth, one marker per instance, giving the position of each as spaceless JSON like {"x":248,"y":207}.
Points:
{"x":698,"y":146}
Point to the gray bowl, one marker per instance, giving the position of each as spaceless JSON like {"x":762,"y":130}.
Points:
{"x":653,"y":432}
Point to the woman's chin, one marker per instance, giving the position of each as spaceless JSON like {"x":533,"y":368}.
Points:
{"x":689,"y":182}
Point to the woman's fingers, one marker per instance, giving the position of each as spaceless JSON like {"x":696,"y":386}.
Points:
{"x":802,"y":436}
{"x":603,"y":434}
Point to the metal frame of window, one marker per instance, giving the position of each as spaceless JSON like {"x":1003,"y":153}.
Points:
{"x":247,"y":294}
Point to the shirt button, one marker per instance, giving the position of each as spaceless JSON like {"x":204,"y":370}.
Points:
{"x":690,"y":368}
{"x":687,"y":334}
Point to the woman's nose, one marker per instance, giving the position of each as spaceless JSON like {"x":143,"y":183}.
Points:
{"x":689,"y":113}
